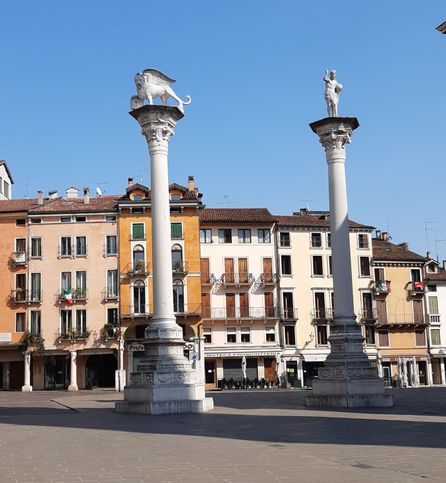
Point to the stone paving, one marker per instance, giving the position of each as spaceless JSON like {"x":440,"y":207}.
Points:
{"x":264,"y":436}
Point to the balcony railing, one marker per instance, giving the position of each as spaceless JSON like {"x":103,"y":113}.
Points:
{"x":180,"y":268}
{"x":242,"y":278}
{"x":74,"y":335}
{"x":75,"y":295}
{"x":288,"y":314}
{"x":369,"y":314}
{"x":403,"y":319}
{"x":269,"y":278}
{"x":240,"y":313}
{"x":416,"y":288}
{"x":208,"y":279}
{"x":138,"y":268}
{"x":322,"y":315}
{"x":20,"y":296}
{"x":108,"y":294}
{"x":381,"y":287}
{"x":19,"y":258}
{"x":434,"y":319}
{"x":180,"y":310}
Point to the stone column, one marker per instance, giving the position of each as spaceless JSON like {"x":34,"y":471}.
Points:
{"x":73,"y":372}
{"x":120,"y":372}
{"x":443,"y":370}
{"x":347,"y":378}
{"x":27,"y":386}
{"x":165,"y":381}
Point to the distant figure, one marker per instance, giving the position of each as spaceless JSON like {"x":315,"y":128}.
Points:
{"x":332,"y":90}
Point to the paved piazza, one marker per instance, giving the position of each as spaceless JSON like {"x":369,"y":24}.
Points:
{"x":263,"y":436}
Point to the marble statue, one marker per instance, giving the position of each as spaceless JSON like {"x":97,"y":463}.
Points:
{"x":332,"y":90}
{"x":151,"y":84}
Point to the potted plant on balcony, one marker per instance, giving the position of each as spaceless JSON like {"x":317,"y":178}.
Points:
{"x":33,"y":340}
{"x":80,"y":294}
{"x":109,"y":331}
{"x":72,"y":335}
{"x":140,"y":266}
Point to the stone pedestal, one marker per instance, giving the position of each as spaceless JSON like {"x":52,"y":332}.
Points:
{"x":165,"y":381}
{"x":347,"y":378}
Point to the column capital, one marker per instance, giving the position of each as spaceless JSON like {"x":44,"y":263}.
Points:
{"x":334,"y":133}
{"x":157,"y":123}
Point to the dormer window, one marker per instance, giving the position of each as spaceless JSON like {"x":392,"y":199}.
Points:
{"x":175,"y":197}
{"x":137,"y":197}
{"x":431,"y":268}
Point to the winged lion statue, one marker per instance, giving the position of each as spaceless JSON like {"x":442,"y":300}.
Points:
{"x":151,"y":84}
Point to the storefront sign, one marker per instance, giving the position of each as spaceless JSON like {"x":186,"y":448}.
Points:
{"x":136,"y":348}
{"x":5,"y":337}
{"x":240,"y":354}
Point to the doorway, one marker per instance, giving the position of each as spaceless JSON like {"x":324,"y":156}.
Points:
{"x":100,"y":371}
{"x":387,"y":374}
{"x":210,"y":373}
{"x":56,"y":372}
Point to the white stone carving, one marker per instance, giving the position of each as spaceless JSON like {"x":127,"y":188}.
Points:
{"x":332,"y":91}
{"x":152,"y":84}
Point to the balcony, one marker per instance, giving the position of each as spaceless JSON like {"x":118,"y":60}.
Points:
{"x":74,"y":295}
{"x":19,"y":259}
{"x":322,"y":315}
{"x":288,"y":314}
{"x":22,"y":296}
{"x":268,"y":279}
{"x":208,"y":280}
{"x":416,"y":288}
{"x":180,"y":268}
{"x":110,"y":295}
{"x":434,"y":319}
{"x":237,"y":279}
{"x":381,"y":287}
{"x":73,"y":335}
{"x":139,"y":268}
{"x":236,"y":313}
{"x":368,"y":315}
{"x":404,"y":319}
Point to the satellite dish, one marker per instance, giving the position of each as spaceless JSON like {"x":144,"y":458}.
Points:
{"x":98,"y":191}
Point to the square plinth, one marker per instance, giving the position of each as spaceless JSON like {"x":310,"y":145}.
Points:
{"x":166,"y":407}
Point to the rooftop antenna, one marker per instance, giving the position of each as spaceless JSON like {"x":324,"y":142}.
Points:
{"x":100,"y":191}
{"x":27,"y":185}
{"x":426,"y":229}
{"x":225,"y":201}
{"x":307,"y":206}
{"x":437,"y":241}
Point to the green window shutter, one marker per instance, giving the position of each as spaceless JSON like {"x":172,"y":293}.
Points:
{"x":138,"y":231}
{"x":433,"y":305}
{"x":176,"y":230}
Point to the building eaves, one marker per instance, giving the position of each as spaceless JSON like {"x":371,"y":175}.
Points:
{"x":236,"y":215}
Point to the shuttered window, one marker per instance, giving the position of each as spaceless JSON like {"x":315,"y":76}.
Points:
{"x":176,"y":230}
{"x":433,"y":305}
{"x":138,"y":231}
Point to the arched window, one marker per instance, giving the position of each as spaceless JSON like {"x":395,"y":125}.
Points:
{"x":138,"y":258}
{"x":139,"y":297}
{"x":178,"y":296}
{"x":177,"y":258}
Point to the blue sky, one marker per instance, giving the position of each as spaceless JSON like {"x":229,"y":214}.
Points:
{"x":254,"y":70}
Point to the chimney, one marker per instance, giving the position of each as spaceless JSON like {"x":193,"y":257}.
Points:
{"x":86,"y":195}
{"x":385,"y":236}
{"x":52,"y":195}
{"x":429,"y":255}
{"x":40,"y":198}
{"x":378,"y":234}
{"x":129,"y":182}
{"x":190,"y":183}
{"x":303,"y":211}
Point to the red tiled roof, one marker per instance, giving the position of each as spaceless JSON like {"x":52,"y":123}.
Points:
{"x":77,"y":205}
{"x":313,"y":219}
{"x":440,"y":276}
{"x":386,"y":251}
{"x":11,"y":206}
{"x":236,"y":215}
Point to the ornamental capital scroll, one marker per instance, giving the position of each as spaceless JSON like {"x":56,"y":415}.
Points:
{"x":334,"y":142}
{"x":158,"y":131}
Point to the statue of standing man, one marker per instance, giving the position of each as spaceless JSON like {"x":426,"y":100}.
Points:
{"x":332,"y":90}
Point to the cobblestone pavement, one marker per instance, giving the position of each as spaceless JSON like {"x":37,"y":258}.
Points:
{"x":264,"y":436}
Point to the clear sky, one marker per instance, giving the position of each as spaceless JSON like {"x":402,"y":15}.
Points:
{"x":254,"y":70}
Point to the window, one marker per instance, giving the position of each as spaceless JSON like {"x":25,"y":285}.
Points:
{"x":433,"y":304}
{"x":111,"y":218}
{"x":137,"y":210}
{"x":20,"y":322}
{"x":420,"y":338}
{"x":20,"y":245}
{"x":112,"y":317}
{"x":316,"y":240}
{"x":435,"y":336}
{"x":81,"y":285}
{"x":138,"y":259}
{"x":319,"y":306}
{"x":245,"y":334}
{"x":369,"y":334}
{"x":288,"y":305}
{"x":244,"y":235}
{"x":6,"y":189}
{"x":290,"y":335}
{"x":224,"y":235}
{"x":65,"y":246}
{"x":81,"y":321}
{"x":176,"y":231}
{"x":65,"y":281}
{"x":175,"y":197}
{"x":330,"y":266}
{"x":36,"y":247}
{"x":364,"y":266}
{"x":322,"y":337}
{"x":383,"y":338}
{"x":35,"y":220}
{"x":65,"y":321}
{"x":178,"y":296}
{"x":138,"y":231}
{"x":431,"y":288}
{"x":367,"y":305}
{"x":112,"y":283}
{"x":285,"y":264}
{"x":244,"y":304}
{"x":270,"y":334}
{"x":20,"y":287}
{"x":139,"y":297}
{"x":318,"y":269}
{"x":36,"y":287}
{"x":363,"y":240}
{"x":177,"y":258}
{"x":415,"y":275}
{"x":35,"y":322}
{"x":231,"y":335}
{"x":136,"y":197}
{"x":81,"y":246}
{"x":81,"y":219}
{"x":284,"y":239}
{"x":329,"y":240}
{"x":263,"y":236}
{"x":111,"y":246}
{"x":20,"y":222}
{"x":207,"y":334}
{"x":65,"y":219}
{"x":431,"y":268}
{"x":206,"y":235}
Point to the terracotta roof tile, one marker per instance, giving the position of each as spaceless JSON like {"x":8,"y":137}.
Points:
{"x":440,"y":276}
{"x":236,"y":215}
{"x":77,"y":205}
{"x":313,"y":219}
{"x":386,"y":251}
{"x":11,"y":206}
